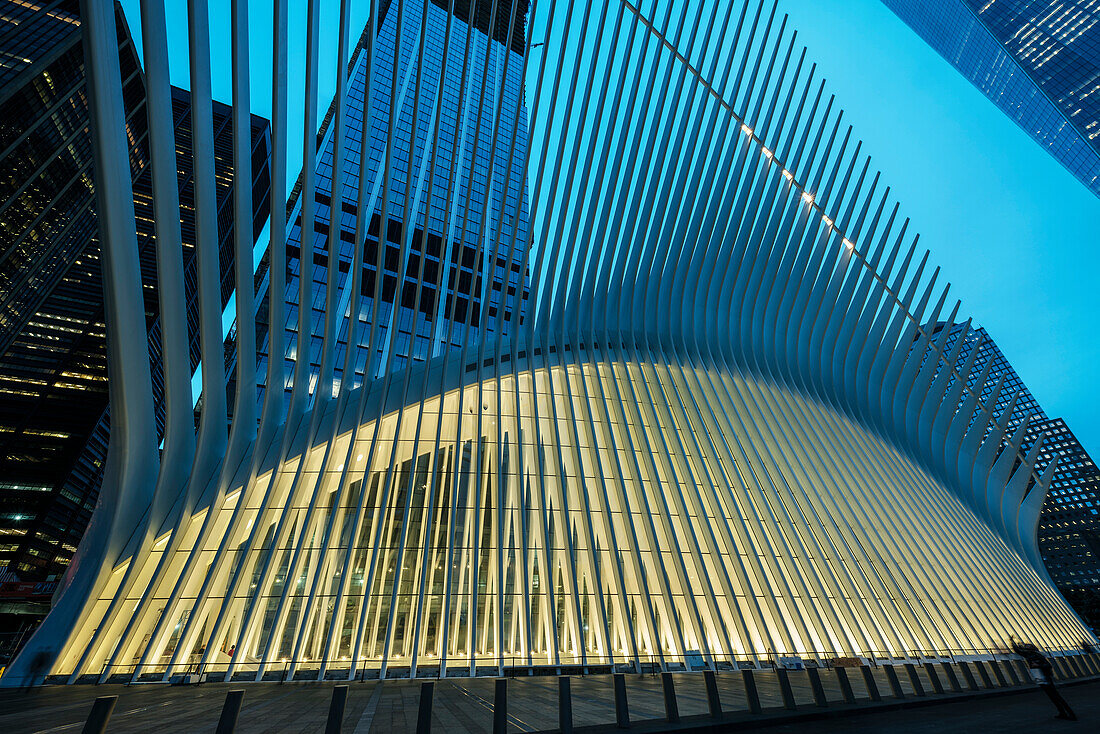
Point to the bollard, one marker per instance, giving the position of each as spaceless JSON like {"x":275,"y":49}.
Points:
{"x":1011,"y":670}
{"x":230,"y":710}
{"x":968,"y":674}
{"x":845,"y":685}
{"x":672,"y":713}
{"x":785,"y":688}
{"x":872,"y":684}
{"x":937,"y":685}
{"x":751,"y":694}
{"x":986,"y":680}
{"x":1077,"y":669}
{"x":817,"y":688}
{"x":952,"y":678}
{"x":998,"y":673}
{"x":714,"y":703}
{"x":914,"y":678}
{"x":1023,"y":670}
{"x":424,"y":710}
{"x":565,"y":705}
{"x":892,"y":679}
{"x":500,"y":707}
{"x":622,"y":714}
{"x":1061,"y":670}
{"x":336,"y":709}
{"x":100,"y":714}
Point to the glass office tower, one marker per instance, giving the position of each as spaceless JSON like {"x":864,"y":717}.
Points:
{"x":54,"y":416}
{"x":1069,"y":526}
{"x":451,"y":237}
{"x":1038,"y":60}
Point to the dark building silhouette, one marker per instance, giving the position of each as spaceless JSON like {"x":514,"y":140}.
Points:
{"x":54,"y":419}
{"x":1069,"y":526}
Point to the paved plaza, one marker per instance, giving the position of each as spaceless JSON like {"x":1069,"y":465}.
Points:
{"x":466,"y":705}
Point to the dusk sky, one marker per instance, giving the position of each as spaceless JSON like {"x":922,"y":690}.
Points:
{"x":1014,"y":232}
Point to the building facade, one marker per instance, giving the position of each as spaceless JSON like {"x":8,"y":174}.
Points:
{"x":716,"y":432}
{"x":54,"y":416}
{"x":1069,"y":527}
{"x":460,"y":300}
{"x":1038,"y":60}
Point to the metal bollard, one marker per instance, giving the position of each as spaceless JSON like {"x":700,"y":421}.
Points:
{"x":845,"y":685}
{"x":1011,"y":670}
{"x":424,"y":711}
{"x":998,"y":673}
{"x":871,"y":683}
{"x":100,"y":714}
{"x":914,"y":678}
{"x":622,"y":714}
{"x":500,"y":707}
{"x":986,"y":680}
{"x":1061,"y":669}
{"x":817,"y":688}
{"x":952,"y":678}
{"x":336,"y":709}
{"x":714,"y":703}
{"x":1075,"y":665}
{"x":752,"y":695}
{"x":969,"y":676}
{"x":565,"y":705}
{"x":892,"y":679}
{"x":672,"y":713}
{"x":785,"y":689}
{"x":937,"y":685}
{"x":230,"y":711}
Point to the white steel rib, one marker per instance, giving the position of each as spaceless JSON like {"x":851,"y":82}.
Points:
{"x":715,"y":430}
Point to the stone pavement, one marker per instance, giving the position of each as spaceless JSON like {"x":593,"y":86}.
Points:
{"x":464,"y":705}
{"x":1027,"y":712}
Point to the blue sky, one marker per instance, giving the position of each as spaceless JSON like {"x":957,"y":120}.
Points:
{"x":1014,"y":232}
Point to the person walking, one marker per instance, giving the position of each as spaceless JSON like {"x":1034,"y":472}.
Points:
{"x":39,"y":666}
{"x":1042,"y":672}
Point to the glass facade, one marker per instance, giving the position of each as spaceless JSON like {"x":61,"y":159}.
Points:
{"x":31,"y":32}
{"x":1069,"y":526}
{"x":462,"y":291}
{"x":54,"y":417}
{"x":1038,"y":60}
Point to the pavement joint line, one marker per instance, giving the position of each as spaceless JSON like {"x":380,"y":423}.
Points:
{"x":367,"y":717}
{"x":488,"y":707}
{"x":63,"y":727}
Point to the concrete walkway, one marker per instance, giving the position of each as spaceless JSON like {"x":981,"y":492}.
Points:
{"x":466,"y":706}
{"x":1026,"y":712}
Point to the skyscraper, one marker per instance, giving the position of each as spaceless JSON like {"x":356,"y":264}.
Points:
{"x":1069,"y":526}
{"x":54,"y":417}
{"x":717,"y":433}
{"x":1038,"y":60}
{"x":457,"y":290}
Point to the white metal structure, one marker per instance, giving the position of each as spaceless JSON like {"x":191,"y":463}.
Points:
{"x":721,"y":432}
